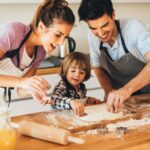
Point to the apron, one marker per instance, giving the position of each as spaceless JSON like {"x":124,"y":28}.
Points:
{"x":8,"y":68}
{"x":123,"y":70}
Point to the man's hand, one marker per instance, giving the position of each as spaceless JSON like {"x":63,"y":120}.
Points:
{"x":116,"y":98}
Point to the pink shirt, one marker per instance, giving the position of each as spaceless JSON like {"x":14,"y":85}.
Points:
{"x":11,"y":35}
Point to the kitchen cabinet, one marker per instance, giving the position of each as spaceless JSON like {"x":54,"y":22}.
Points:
{"x":26,"y":106}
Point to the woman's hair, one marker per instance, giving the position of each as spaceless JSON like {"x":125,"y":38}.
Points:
{"x":94,"y":9}
{"x":50,"y":10}
{"x":80,"y":60}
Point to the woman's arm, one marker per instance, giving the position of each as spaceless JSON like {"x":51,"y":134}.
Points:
{"x":31,"y":83}
{"x":41,"y":97}
{"x":23,"y":92}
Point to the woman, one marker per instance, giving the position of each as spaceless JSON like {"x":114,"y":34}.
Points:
{"x":23,"y":47}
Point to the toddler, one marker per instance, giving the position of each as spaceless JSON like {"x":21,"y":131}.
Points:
{"x":70,"y":92}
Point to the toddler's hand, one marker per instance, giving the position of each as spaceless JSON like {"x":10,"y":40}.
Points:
{"x":77,"y":107}
{"x":92,"y":100}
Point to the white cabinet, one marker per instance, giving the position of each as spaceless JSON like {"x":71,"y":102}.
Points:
{"x":23,"y":106}
{"x":93,"y":87}
{"x":97,"y":93}
{"x":27,"y":106}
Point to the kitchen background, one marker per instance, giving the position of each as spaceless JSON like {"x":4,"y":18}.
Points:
{"x":23,"y":11}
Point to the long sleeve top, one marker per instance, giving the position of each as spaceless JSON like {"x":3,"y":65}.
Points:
{"x":64,"y":92}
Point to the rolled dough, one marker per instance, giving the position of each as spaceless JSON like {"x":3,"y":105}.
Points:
{"x":99,"y":113}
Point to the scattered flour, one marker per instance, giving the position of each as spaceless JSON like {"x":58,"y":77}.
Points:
{"x":130,"y":124}
{"x":99,"y":113}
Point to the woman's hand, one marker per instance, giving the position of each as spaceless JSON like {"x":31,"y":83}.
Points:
{"x":35,"y":84}
{"x":42,"y":98}
{"x":92,"y":100}
{"x":77,"y":107}
{"x":116,"y":98}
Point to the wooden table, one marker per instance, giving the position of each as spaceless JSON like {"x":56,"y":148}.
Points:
{"x":137,"y":139}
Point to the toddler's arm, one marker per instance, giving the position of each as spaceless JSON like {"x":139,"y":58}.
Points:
{"x":58,"y":96}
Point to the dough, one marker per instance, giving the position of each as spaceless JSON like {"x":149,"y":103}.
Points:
{"x":99,"y":113}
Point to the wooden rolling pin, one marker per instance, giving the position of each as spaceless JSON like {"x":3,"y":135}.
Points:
{"x":48,"y":133}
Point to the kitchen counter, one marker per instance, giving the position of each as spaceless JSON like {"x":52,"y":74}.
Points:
{"x":49,"y":65}
{"x":137,"y":139}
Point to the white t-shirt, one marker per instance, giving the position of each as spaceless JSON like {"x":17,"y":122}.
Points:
{"x":136,"y":37}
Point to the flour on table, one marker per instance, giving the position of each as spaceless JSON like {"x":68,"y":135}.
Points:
{"x":130,"y":124}
{"x":99,"y":113}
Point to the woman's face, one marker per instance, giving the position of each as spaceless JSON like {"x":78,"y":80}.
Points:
{"x":54,"y":35}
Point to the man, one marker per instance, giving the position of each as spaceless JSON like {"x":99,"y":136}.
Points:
{"x":119,"y":51}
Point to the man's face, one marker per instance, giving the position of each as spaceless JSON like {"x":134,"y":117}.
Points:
{"x":103,"y":27}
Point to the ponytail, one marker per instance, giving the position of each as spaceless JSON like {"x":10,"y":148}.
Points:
{"x":50,"y":10}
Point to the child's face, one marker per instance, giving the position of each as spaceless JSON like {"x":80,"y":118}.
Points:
{"x":75,"y":75}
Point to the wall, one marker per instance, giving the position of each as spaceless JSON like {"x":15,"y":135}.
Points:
{"x":24,"y":13}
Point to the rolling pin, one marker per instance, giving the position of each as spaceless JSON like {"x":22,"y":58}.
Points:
{"x":48,"y":133}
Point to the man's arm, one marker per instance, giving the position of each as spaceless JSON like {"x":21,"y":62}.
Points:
{"x":116,"y":98}
{"x":141,"y":80}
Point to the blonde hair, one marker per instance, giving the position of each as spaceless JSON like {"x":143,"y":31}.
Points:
{"x":80,"y":59}
{"x":50,"y":10}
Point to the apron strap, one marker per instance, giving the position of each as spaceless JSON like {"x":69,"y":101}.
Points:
{"x":105,"y":49}
{"x":35,"y":54}
{"x":15,"y":52}
{"x":122,"y":41}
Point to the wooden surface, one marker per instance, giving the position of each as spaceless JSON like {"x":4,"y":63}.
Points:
{"x":137,"y":139}
{"x":136,"y":107}
{"x":51,"y":70}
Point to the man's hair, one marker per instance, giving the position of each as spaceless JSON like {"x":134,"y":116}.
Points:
{"x":93,"y":9}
